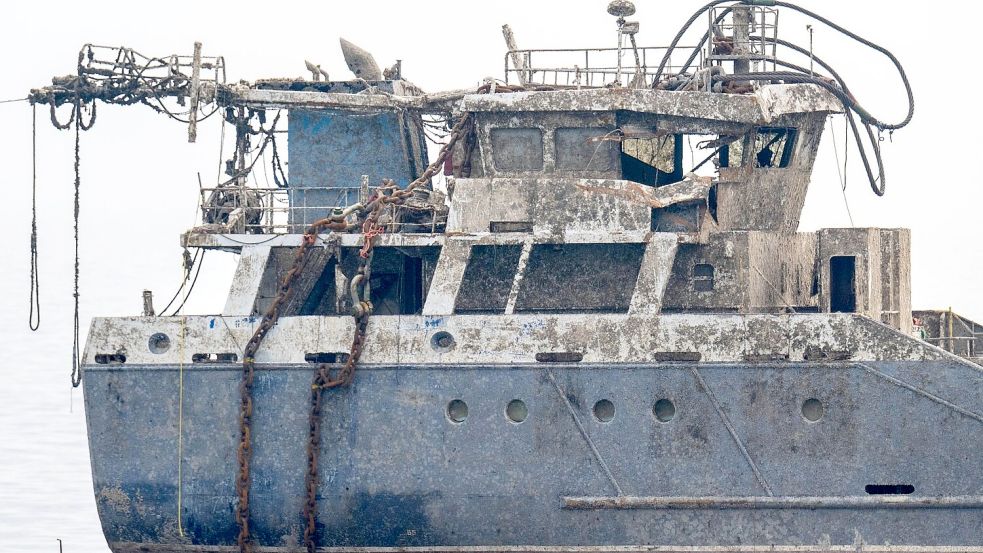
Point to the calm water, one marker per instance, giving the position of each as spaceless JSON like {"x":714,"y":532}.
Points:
{"x":45,"y":482}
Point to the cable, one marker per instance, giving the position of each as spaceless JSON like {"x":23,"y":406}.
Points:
{"x":682,"y":31}
{"x":184,"y":281}
{"x":192,"y":288}
{"x":850,"y":104}
{"x":34,"y":317}
{"x":842,"y":173}
{"x":866,"y":117}
{"x":76,"y":345}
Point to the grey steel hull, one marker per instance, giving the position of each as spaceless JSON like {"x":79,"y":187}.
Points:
{"x":737,"y":467}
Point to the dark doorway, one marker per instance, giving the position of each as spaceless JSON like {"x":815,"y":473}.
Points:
{"x":842,"y":287}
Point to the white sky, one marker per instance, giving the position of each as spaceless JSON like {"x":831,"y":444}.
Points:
{"x":139,"y":175}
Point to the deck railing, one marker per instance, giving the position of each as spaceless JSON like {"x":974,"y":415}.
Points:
{"x":592,"y":67}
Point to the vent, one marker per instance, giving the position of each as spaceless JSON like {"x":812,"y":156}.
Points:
{"x":322,"y":357}
{"x":214,"y":358}
{"x":110,"y":358}
{"x":889,"y":489}
{"x":510,"y":226}
{"x":559,"y":357}
{"x":677,"y":356}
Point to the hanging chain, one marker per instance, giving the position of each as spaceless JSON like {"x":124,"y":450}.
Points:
{"x":34,"y":317}
{"x":323,"y":377}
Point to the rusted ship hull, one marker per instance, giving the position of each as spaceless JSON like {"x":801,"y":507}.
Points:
{"x":838,"y":433}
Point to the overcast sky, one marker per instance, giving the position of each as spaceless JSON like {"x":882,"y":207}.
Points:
{"x":139,"y":175}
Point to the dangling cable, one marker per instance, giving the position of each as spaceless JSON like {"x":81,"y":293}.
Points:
{"x":201,"y":262}
{"x":76,"y":346}
{"x":189,"y":264}
{"x":34,"y":318}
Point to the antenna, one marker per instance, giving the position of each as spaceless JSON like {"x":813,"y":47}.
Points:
{"x":622,"y":9}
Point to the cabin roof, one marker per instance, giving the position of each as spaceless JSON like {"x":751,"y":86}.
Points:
{"x":767,"y":103}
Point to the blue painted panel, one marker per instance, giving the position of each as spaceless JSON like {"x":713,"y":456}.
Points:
{"x":397,"y":472}
{"x":334,"y":148}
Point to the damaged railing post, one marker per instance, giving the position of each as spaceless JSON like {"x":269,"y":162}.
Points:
{"x":517,"y":59}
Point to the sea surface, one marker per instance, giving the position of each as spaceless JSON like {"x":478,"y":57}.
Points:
{"x":45,"y":478}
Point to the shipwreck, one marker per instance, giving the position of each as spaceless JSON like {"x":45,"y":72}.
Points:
{"x":601,"y":332}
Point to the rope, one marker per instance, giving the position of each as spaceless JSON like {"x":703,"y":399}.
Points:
{"x":76,"y":344}
{"x":842,"y":172}
{"x":180,"y":426}
{"x":188,"y":265}
{"x":192,"y":287}
{"x":34,"y":317}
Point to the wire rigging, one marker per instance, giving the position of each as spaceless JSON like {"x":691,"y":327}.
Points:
{"x":34,"y":317}
{"x":76,"y":344}
{"x":191,"y":288}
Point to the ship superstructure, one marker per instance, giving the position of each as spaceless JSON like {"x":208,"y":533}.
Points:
{"x":604,"y":333}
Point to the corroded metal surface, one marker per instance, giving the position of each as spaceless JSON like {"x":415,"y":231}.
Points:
{"x":399,"y":472}
{"x":518,"y":338}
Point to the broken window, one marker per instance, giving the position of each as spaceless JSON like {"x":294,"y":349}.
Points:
{"x":842,"y":284}
{"x":652,"y":160}
{"x":703,"y":277}
{"x":773,"y":146}
{"x":585,"y":149}
{"x":488,"y":279}
{"x":597,"y":278}
{"x":399,"y":281}
{"x":517,"y":149}
{"x":666,"y":159}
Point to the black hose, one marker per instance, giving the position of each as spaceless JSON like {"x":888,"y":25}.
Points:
{"x":842,"y":92}
{"x":864,"y":115}
{"x":682,"y":31}
{"x":848,"y":103}
{"x":696,"y":49}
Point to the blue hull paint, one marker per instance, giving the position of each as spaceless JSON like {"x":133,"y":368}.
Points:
{"x":397,"y":472}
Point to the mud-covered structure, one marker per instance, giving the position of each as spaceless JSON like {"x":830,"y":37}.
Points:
{"x":602,"y":332}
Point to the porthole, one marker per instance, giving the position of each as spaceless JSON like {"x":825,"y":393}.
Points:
{"x":664,"y":410}
{"x":604,"y":411}
{"x":159,"y":343}
{"x":457,"y":411}
{"x":812,"y":409}
{"x":516,"y":411}
{"x":442,"y":341}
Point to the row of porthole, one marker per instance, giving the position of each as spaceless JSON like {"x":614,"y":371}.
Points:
{"x":664,"y":410}
{"x":516,"y":411}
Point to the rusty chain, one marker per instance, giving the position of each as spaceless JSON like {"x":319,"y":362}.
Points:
{"x":369,"y":213}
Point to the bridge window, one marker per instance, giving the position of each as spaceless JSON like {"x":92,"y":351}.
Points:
{"x":703,"y":277}
{"x":773,"y":146}
{"x":594,"y":278}
{"x":517,"y":149}
{"x":488,"y":279}
{"x":655,"y":160}
{"x":585,"y":149}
